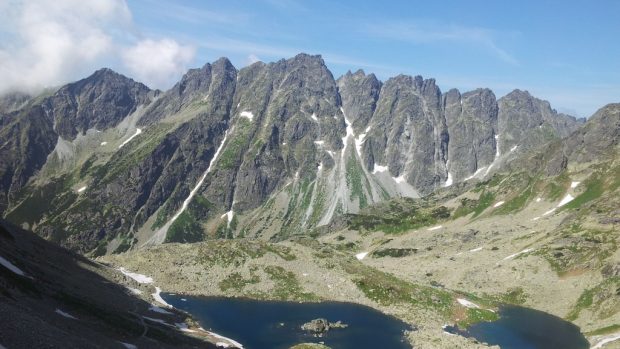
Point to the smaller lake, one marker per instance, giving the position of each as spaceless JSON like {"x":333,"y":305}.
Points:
{"x":524,"y":328}
{"x":277,"y":325}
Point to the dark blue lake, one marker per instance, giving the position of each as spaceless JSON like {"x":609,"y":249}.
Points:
{"x":523,"y":328}
{"x":277,"y":325}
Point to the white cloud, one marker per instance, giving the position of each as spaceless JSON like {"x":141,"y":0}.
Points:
{"x":48,"y":43}
{"x":252,"y":58}
{"x":157,"y":63}
{"x":432,"y":32}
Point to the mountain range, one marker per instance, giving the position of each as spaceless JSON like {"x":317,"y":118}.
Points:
{"x":105,"y":163}
{"x":278,"y":181}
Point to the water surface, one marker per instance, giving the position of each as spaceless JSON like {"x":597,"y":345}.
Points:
{"x":524,"y":328}
{"x":270,"y":324}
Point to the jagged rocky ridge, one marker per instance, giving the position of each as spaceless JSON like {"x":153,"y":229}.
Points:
{"x":105,"y":163}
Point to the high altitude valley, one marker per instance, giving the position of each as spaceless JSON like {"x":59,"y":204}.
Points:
{"x":280,"y":182}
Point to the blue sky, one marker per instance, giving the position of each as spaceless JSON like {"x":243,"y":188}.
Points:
{"x":562,"y":51}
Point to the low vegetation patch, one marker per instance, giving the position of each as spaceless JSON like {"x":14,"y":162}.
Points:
{"x":601,"y":300}
{"x":287,"y":286}
{"x":237,"y":282}
{"x":386,"y":289}
{"x":397,"y":217}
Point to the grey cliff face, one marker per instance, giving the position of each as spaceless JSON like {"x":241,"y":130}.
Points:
{"x":293,"y":104}
{"x":100,"y":101}
{"x":408,"y":132}
{"x":472,"y":126}
{"x":359,"y":93}
{"x":528,"y":122}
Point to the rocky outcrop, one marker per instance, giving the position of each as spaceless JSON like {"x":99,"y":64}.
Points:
{"x":321,"y":326}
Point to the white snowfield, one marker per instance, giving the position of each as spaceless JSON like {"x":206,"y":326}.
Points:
{"x":226,"y":345}
{"x":518,"y":253}
{"x":467,"y":304}
{"x":11,"y":267}
{"x":313,"y":116}
{"x":359,"y":141}
{"x":478,"y":171}
{"x":345,"y":139}
{"x":379,"y":168}
{"x":319,"y":142}
{"x":247,"y":114}
{"x":157,"y":309}
{"x":134,"y":291}
{"x":128,"y":345}
{"x":159,"y":321}
{"x":158,"y":298}
{"x":229,"y":216}
{"x":65,"y":314}
{"x":574,"y":185}
{"x":435,"y":228}
{"x":476,"y":249}
{"x":81,"y":189}
{"x":399,"y":179}
{"x":361,"y":255}
{"x":138,"y":131}
{"x":498,"y":204}
{"x":104,"y":143}
{"x":183,"y":327}
{"x":496,"y":146}
{"x":141,"y":279}
{"x":448,"y":181}
{"x":607,"y":339}
{"x":568,"y":198}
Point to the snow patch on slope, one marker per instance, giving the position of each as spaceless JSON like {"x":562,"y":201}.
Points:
{"x":518,"y":253}
{"x":475,"y":173}
{"x":65,"y":314}
{"x":138,"y":131}
{"x":568,"y":198}
{"x":11,"y":267}
{"x":467,"y":304}
{"x":247,"y":114}
{"x":158,"y":299}
{"x":448,"y":181}
{"x":160,"y":236}
{"x":141,"y":279}
{"x":345,"y":139}
{"x":379,"y":168}
{"x":399,"y":179}
{"x":361,"y":255}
